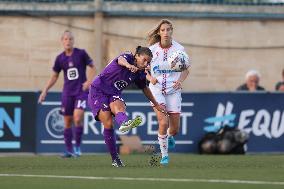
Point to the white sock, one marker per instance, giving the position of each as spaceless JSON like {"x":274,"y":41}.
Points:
{"x":163,"y":142}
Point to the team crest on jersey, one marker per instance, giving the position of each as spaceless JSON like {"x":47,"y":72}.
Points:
{"x":121,"y":84}
{"x":70,"y":64}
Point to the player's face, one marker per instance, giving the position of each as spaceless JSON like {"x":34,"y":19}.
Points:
{"x":252,"y":82}
{"x":281,"y":88}
{"x":166,"y":32}
{"x":142,"y":61}
{"x":67,"y":41}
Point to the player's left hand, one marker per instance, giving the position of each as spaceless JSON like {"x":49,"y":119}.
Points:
{"x":86,"y":85}
{"x":177,"y":85}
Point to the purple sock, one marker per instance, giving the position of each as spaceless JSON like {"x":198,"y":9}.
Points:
{"x":110,"y":142}
{"x":68,"y":135}
{"x":78,"y":135}
{"x":120,"y":117}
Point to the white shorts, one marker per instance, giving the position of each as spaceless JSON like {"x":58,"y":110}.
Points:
{"x":171,"y":101}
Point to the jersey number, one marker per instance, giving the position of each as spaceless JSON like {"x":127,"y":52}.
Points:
{"x":81,"y":104}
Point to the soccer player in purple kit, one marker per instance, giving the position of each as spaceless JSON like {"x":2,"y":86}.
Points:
{"x":105,"y":95}
{"x":73,"y":62}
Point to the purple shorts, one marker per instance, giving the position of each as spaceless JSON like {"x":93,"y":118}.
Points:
{"x":69,"y":103}
{"x":98,"y":100}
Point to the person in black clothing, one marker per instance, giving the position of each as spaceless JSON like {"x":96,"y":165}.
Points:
{"x":252,"y":82}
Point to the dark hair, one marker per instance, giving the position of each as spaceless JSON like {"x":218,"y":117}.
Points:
{"x":143,"y":50}
{"x":278,"y":85}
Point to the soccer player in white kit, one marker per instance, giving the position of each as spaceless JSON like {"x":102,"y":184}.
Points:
{"x":165,"y":85}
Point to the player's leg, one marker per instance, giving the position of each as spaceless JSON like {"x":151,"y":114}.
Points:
{"x":78,"y":122}
{"x":109,"y":135}
{"x":118,"y":108}
{"x":162,"y":136}
{"x":99,"y":104}
{"x":67,"y":111}
{"x":174,"y":119}
{"x":80,"y":106}
{"x":163,"y":126}
{"x":68,"y":136}
{"x":174,"y":109}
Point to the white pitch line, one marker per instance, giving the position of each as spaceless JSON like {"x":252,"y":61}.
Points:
{"x":148,"y":179}
{"x":118,"y":142}
{"x":58,"y":103}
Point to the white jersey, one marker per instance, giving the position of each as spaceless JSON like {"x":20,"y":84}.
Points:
{"x":160,"y":68}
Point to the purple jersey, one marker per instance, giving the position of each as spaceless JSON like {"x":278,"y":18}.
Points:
{"x":114,"y":78}
{"x":74,"y":68}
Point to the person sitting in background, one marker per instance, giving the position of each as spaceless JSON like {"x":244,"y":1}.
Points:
{"x":252,"y":82}
{"x":280,"y":85}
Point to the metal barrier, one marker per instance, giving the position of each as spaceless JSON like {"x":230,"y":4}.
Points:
{"x":218,"y":2}
{"x":225,"y":9}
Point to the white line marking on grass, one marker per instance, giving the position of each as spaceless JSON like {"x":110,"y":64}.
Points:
{"x":57,"y":103}
{"x":103,"y":142}
{"x":149,"y":179}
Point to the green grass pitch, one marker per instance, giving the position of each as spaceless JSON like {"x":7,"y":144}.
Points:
{"x":184,"y":171}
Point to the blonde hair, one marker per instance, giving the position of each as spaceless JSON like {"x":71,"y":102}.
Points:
{"x":153,"y":36}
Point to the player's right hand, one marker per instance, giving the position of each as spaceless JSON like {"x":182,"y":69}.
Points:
{"x":152,"y":79}
{"x":41,"y":97}
{"x":162,"y":109}
{"x":132,"y":68}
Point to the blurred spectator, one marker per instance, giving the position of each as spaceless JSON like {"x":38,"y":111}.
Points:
{"x":280,"y":85}
{"x":251,"y":82}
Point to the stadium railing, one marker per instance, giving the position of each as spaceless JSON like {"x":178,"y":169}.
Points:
{"x":232,"y":9}
{"x":219,"y":2}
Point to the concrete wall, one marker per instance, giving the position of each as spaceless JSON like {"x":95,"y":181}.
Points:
{"x":222,"y":50}
{"x":29,"y":45}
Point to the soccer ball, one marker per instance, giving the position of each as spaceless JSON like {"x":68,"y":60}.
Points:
{"x":179,"y":61}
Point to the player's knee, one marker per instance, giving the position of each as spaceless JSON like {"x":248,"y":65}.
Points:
{"x":174,"y":132}
{"x":163,"y":126}
{"x":77,"y":121}
{"x":107,"y":123}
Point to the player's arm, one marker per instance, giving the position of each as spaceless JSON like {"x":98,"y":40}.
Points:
{"x":91,"y":72}
{"x":150,"y":96}
{"x":150,"y":78}
{"x":182,"y":77}
{"x":49,"y":84}
{"x":123,"y":62}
